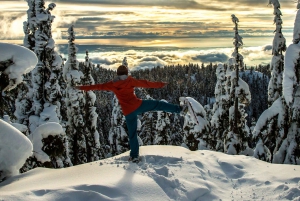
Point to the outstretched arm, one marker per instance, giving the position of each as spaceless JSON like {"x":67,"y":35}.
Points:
{"x":148,"y":84}
{"x":105,"y":87}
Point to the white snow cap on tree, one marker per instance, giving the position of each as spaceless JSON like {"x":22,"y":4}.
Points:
{"x":20,"y":61}
{"x":41,"y":132}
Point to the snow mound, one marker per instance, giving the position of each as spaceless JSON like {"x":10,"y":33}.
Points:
{"x":15,"y":148}
{"x":164,"y":173}
{"x":41,"y":132}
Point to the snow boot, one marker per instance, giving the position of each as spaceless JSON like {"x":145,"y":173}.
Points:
{"x":134,"y":160}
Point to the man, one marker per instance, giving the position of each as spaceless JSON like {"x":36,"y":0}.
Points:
{"x":123,"y":87}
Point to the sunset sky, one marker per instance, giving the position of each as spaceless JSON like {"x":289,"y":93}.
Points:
{"x":204,"y":24}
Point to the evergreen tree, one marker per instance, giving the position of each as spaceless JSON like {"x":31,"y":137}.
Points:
{"x":279,"y":46}
{"x":44,"y":89}
{"x":162,"y":136}
{"x":30,"y":26}
{"x":276,"y":131}
{"x":220,"y":118}
{"x":176,"y":131}
{"x":91,"y":132}
{"x":197,"y":136}
{"x":75,"y":103}
{"x":237,"y":134}
{"x":289,"y":150}
{"x":118,"y":136}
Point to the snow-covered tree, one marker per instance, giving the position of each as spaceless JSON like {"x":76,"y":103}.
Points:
{"x":277,"y":130}
{"x":49,"y":148}
{"x":44,"y":87}
{"x":118,"y":137}
{"x":91,"y":132}
{"x":289,"y":151}
{"x":197,"y":136}
{"x":269,"y":131}
{"x":220,"y":118}
{"x":30,"y":26}
{"x":148,"y":129}
{"x":45,"y":90}
{"x":237,"y":134}
{"x":75,"y":103}
{"x":279,"y":46}
{"x":22,"y":105}
{"x":176,"y":131}
{"x":15,"y":61}
{"x":162,"y":136}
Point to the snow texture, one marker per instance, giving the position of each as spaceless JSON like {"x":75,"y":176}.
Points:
{"x":289,"y":76}
{"x":165,"y":173}
{"x":41,"y":132}
{"x":15,"y":148}
{"x":22,"y":61}
{"x":276,"y":109}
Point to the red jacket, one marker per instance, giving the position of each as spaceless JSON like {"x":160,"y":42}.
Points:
{"x":124,"y":90}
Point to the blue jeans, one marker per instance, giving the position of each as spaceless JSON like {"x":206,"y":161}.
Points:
{"x":131,"y":120}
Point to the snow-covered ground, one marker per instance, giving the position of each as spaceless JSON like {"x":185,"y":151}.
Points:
{"x":165,"y":173}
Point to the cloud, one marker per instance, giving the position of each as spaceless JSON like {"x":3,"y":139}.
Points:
{"x":149,"y":58}
{"x":12,"y":27}
{"x":105,"y":61}
{"x":267,"y":48}
{"x":211,"y":57}
{"x":178,"y":4}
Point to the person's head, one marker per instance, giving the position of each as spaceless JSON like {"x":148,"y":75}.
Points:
{"x":122,"y":70}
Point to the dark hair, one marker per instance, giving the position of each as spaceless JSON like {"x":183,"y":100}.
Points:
{"x":122,"y":70}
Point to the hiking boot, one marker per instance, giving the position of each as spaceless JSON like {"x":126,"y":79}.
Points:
{"x":134,"y":159}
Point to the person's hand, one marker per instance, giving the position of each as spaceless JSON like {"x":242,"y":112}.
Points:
{"x":77,"y":87}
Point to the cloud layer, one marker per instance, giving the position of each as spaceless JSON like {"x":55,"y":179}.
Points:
{"x":141,"y":58}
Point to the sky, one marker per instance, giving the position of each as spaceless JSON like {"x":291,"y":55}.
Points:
{"x":184,"y":25}
{"x":164,"y":173}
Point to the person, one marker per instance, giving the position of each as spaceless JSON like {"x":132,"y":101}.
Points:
{"x":123,"y":87}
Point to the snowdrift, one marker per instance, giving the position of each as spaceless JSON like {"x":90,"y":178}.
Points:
{"x":165,"y":173}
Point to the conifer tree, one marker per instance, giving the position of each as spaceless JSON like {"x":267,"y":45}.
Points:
{"x":22,"y":105}
{"x":197,"y":136}
{"x":176,"y":131}
{"x":289,"y":150}
{"x":91,"y":132}
{"x":279,"y":46}
{"x":220,"y":118}
{"x":75,"y":103}
{"x":44,"y":88}
{"x":30,"y":26}
{"x":274,"y":127}
{"x":162,"y":136}
{"x":118,"y":137}
{"x":237,"y":134}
